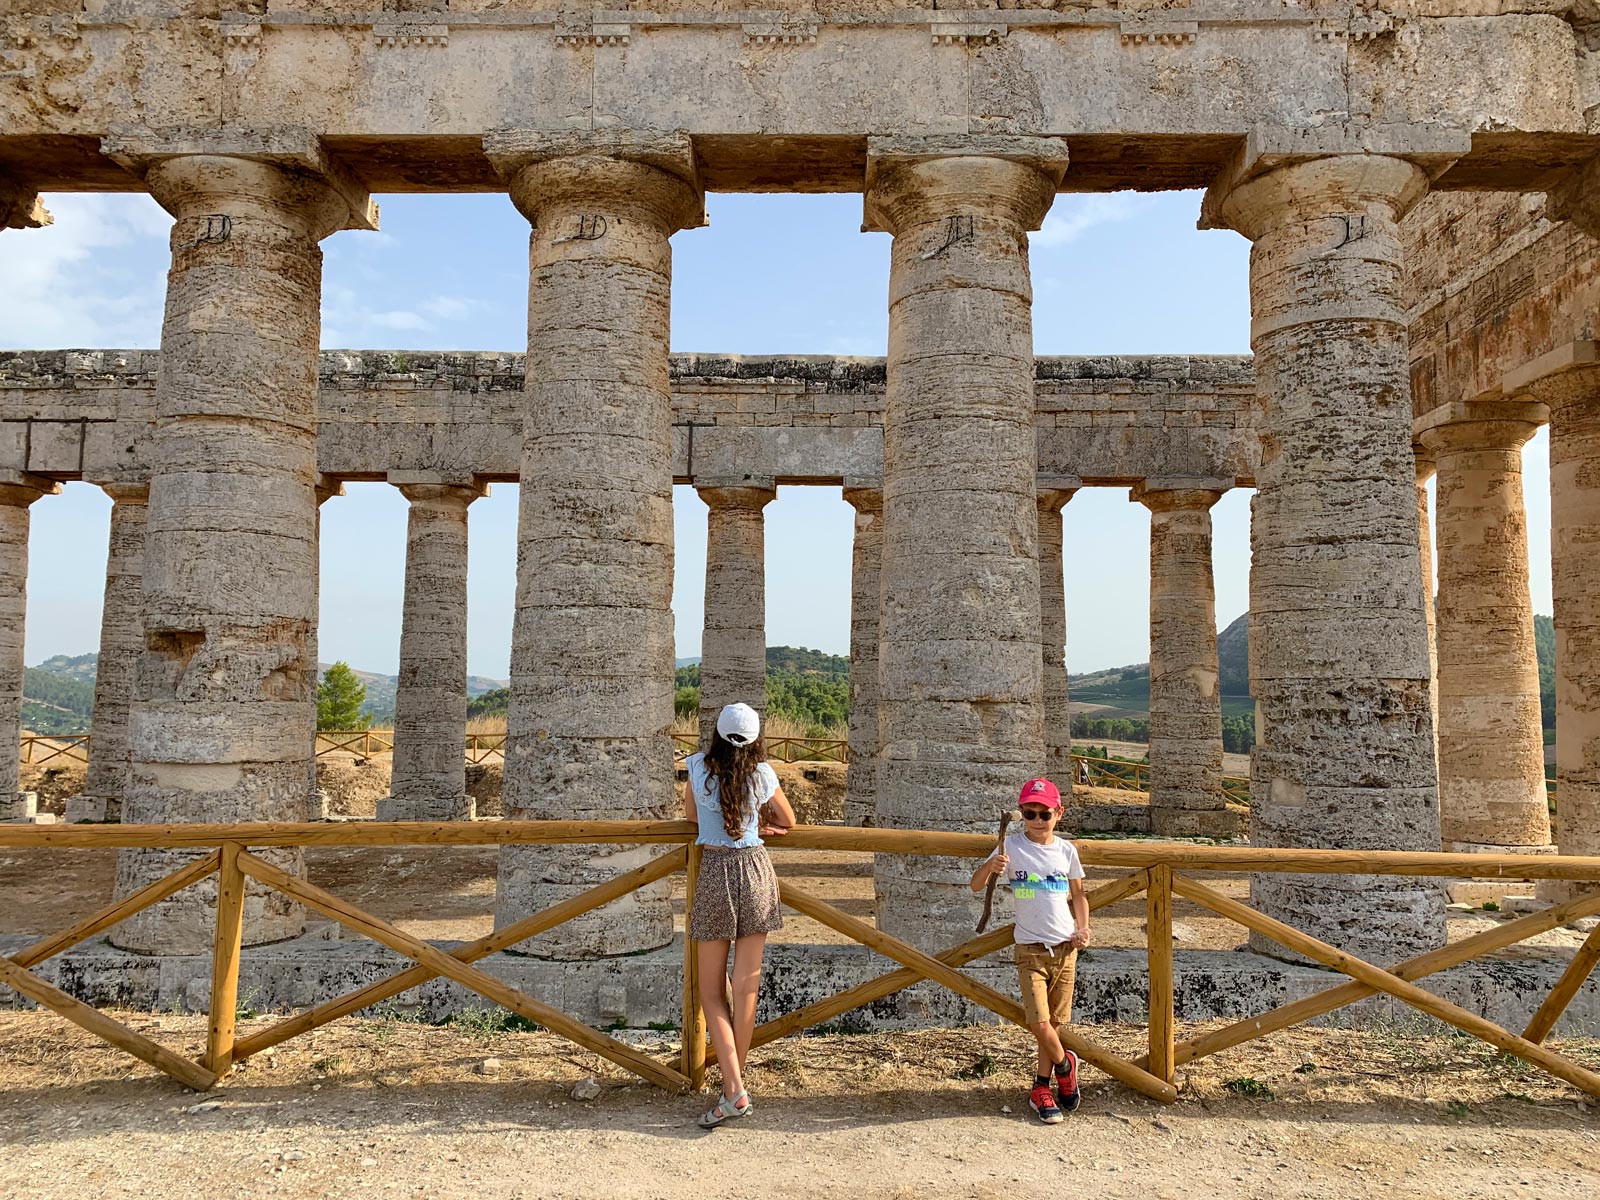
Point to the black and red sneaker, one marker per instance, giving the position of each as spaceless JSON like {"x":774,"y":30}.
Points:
{"x":1067,"y":1083}
{"x":1043,"y":1101}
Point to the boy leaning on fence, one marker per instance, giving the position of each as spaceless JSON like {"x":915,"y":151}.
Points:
{"x":1046,"y":881}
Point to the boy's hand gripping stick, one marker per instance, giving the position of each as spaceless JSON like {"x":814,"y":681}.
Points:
{"x":999,"y":848}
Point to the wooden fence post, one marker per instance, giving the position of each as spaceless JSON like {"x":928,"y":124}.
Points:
{"x":1158,"y":943}
{"x":694,"y":1017}
{"x":225,"y":961}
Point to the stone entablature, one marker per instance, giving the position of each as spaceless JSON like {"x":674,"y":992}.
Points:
{"x":1494,"y":284}
{"x":783,"y":97}
{"x":1111,"y":420}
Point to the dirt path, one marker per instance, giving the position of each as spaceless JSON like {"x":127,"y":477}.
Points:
{"x":386,"y":1108}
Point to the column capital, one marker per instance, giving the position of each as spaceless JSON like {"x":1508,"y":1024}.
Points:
{"x":652,"y":172}
{"x":1279,"y":169}
{"x":864,"y":497}
{"x":20,"y":207}
{"x":1425,"y":463}
{"x":327,"y":487}
{"x":126,"y":492}
{"x":443,"y":493}
{"x":1333,"y":190}
{"x":1480,"y":432}
{"x":911,"y":180}
{"x":287,"y":166}
{"x":1577,"y":198}
{"x":752,"y":492}
{"x":1053,"y":499}
{"x":1166,"y":493}
{"x":24,"y":487}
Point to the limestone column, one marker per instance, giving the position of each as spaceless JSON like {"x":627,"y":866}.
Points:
{"x":430,"y":710}
{"x":327,"y":487}
{"x":960,"y":674}
{"x":18,"y":489}
{"x":861,"y":777}
{"x":733,"y":646}
{"x":1574,"y":400}
{"x":592,"y":650}
{"x":1186,"y":797}
{"x":1426,"y":468}
{"x":121,"y":644}
{"x":1053,"y":639}
{"x":1491,"y":735}
{"x":226,"y":691}
{"x":1338,"y":637}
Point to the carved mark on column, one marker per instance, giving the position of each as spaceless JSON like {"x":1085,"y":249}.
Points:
{"x":591,"y":228}
{"x":957,"y":231}
{"x":1352,"y":228}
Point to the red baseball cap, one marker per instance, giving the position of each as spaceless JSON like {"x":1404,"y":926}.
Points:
{"x":1040,"y":791}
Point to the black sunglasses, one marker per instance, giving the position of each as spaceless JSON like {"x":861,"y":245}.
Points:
{"x":1037,"y":814}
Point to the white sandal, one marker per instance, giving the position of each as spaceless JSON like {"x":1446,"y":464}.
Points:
{"x":725,"y":1108}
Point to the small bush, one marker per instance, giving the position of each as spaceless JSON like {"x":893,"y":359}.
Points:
{"x":1251,"y":1089}
{"x":982,"y":1067}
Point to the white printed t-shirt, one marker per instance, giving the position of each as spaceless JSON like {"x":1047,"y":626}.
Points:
{"x":1040,"y":881}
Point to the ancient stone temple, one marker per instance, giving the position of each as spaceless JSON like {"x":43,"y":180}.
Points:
{"x":1417,"y":185}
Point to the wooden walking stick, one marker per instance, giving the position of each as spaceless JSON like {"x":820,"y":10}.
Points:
{"x":1000,"y":848}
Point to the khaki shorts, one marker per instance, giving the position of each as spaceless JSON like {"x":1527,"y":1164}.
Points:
{"x":1046,"y":981}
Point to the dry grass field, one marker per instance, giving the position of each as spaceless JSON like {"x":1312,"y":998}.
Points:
{"x":388,"y":1108}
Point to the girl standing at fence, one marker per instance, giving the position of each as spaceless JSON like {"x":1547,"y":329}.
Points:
{"x":734,"y":795}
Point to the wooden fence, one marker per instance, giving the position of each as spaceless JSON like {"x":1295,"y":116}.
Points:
{"x":483,"y":747}
{"x":1161,"y":871}
{"x":39,"y":749}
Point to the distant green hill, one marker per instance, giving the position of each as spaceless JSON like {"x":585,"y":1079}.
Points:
{"x":58,"y":695}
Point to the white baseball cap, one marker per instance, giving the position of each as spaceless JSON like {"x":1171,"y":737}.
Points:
{"x":739,"y":724}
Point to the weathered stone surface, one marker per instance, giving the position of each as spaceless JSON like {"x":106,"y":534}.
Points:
{"x":643,"y":989}
{"x":17,"y":491}
{"x":733,"y":649}
{"x":221,"y":724}
{"x":591,"y":655}
{"x":961,"y":723}
{"x":1574,"y":400}
{"x":1185,"y":700}
{"x":116,"y":670}
{"x":1490,"y":731}
{"x":1053,"y":640}
{"x":801,"y":419}
{"x":430,"y":712}
{"x":866,"y":594}
{"x":1338,"y":638}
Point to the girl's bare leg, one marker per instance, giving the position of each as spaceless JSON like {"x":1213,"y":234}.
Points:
{"x":747,"y":953}
{"x":719,"y":1024}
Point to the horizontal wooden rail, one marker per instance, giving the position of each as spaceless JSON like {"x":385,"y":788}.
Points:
{"x":1131,"y":855}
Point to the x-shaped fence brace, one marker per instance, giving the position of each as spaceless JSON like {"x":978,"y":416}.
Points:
{"x":73,"y":747}
{"x":1152,"y":1074}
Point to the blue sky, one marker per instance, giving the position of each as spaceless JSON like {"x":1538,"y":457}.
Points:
{"x":1117,"y":273}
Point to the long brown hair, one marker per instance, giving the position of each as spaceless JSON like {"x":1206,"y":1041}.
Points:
{"x":733,"y":769}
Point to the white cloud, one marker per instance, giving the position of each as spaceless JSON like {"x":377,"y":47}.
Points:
{"x":398,"y":319}
{"x":97,"y":277}
{"x":1073,"y":215}
{"x":449,"y":308}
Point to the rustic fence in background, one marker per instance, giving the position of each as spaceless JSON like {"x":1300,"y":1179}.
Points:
{"x":1161,"y":871}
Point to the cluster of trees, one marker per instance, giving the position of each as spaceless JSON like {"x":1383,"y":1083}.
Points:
{"x":1238,"y":734}
{"x":55,"y":703}
{"x":1114,"y":729}
{"x":490,"y":704}
{"x":807,"y":687}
